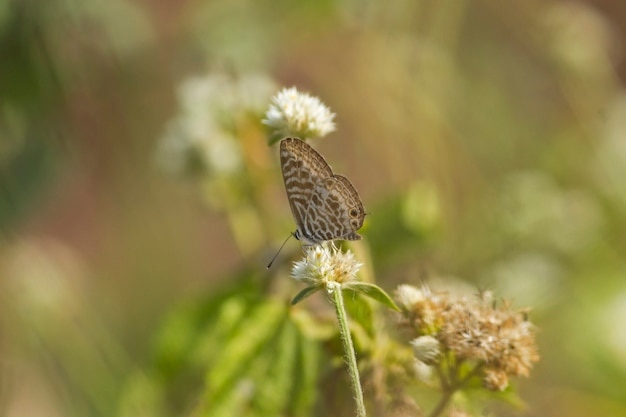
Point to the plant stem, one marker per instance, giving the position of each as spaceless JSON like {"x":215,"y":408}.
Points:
{"x":443,"y":402}
{"x":447,"y":384}
{"x":450,"y":388}
{"x":344,"y":331}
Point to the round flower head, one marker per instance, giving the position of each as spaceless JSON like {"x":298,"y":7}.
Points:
{"x":201,"y":137}
{"x":293,"y":113}
{"x":408,"y":296}
{"x":497,"y":339}
{"x":325,"y":266}
{"x":426,"y":349}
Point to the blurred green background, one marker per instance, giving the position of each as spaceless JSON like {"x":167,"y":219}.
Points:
{"x":487,"y":140}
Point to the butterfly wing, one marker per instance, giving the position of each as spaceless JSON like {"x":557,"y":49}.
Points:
{"x":302,"y":168}
{"x":335,"y":211}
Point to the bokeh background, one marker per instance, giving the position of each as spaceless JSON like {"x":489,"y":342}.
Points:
{"x":487,"y":140}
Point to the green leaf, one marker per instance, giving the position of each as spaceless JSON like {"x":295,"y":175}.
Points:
{"x":230,"y":354}
{"x":276,"y":371}
{"x":372,"y":291}
{"x":242,"y":347}
{"x":311,"y":326}
{"x":308,"y":291}
{"x":360,"y":312}
{"x":273,"y":393}
{"x":306,"y":374}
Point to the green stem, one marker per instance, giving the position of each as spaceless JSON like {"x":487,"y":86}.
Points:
{"x":450,"y":388}
{"x":344,"y":331}
{"x":443,"y":402}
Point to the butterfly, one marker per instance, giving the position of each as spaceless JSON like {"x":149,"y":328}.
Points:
{"x":324,"y":205}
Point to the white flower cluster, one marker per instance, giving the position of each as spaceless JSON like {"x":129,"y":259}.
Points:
{"x":323,"y":266}
{"x":202,"y":134}
{"x":293,"y":113}
{"x":498,"y":341}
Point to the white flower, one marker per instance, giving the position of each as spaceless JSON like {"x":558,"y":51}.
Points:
{"x":325,"y":266}
{"x":422,"y":372}
{"x":426,"y":349}
{"x":203,"y":133}
{"x":293,"y":113}
{"x":407,"y":296}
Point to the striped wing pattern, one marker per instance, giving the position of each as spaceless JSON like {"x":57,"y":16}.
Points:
{"x":325,"y":206}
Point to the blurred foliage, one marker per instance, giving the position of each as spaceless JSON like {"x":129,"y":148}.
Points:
{"x":260,"y":361}
{"x":487,"y":140}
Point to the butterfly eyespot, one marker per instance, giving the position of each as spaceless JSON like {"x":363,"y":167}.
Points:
{"x":354,"y":212}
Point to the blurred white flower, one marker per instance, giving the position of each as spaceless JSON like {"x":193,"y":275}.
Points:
{"x":293,"y":113}
{"x":423,"y":372}
{"x":203,"y":135}
{"x":426,"y":349}
{"x":531,"y":278}
{"x":407,"y":296}
{"x":326,"y":266}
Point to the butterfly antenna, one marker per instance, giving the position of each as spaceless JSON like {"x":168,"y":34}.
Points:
{"x":279,"y":249}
